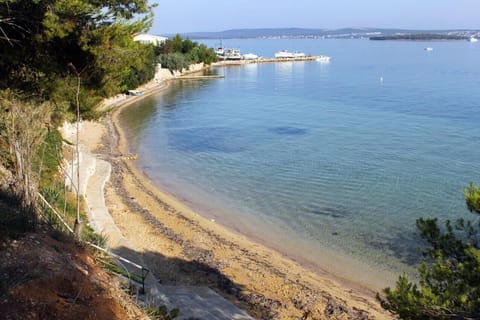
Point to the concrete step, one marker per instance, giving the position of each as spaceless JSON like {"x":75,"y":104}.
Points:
{"x":202,"y":303}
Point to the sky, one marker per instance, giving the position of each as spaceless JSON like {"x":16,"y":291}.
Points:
{"x":178,"y":16}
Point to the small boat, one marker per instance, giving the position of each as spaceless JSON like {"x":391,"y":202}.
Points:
{"x":428,"y":49}
{"x":297,"y":54}
{"x":285,"y":54}
{"x":250,"y":56}
{"x":473,"y":39}
{"x":220,"y":52}
{"x":228,"y":54}
{"x":323,"y":58}
{"x":135,"y":93}
{"x":233,"y":54}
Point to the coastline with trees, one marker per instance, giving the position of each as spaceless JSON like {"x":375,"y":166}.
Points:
{"x":60,"y":59}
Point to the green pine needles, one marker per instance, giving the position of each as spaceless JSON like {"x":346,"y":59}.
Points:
{"x":449,"y":285}
{"x":178,"y":53}
{"x":45,"y":45}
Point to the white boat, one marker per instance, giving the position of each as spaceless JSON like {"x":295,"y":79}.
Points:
{"x":285,"y":54}
{"x":428,"y":49}
{"x":228,"y":54}
{"x":323,"y":58}
{"x":250,"y":56}
{"x":473,"y":39}
{"x":233,"y":54}
{"x":220,"y":52}
{"x":297,"y":54}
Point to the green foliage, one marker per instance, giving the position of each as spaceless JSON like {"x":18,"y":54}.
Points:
{"x":48,"y":48}
{"x":188,"y":45}
{"x":23,"y":128}
{"x":55,"y":195}
{"x":89,"y":235}
{"x":173,"y":61}
{"x":143,"y":70}
{"x":472,"y":196}
{"x":48,"y":157}
{"x":177,"y":43}
{"x":449,"y":284}
{"x":161,"y":313}
{"x":202,"y":53}
{"x":51,"y":185}
{"x":177,"y":53}
{"x":46,"y":44}
{"x":165,"y":48}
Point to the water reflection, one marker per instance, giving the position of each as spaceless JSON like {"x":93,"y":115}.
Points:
{"x":251,"y":69}
{"x":283,"y":69}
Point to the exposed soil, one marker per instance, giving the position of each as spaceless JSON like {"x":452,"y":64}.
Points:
{"x":47,"y":275}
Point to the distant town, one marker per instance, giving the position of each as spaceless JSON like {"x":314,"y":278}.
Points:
{"x":344,"y":33}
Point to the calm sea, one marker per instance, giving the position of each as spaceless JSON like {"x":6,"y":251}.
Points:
{"x":330,"y":163}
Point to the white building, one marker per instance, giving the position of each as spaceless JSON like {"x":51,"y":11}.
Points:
{"x":149,"y":38}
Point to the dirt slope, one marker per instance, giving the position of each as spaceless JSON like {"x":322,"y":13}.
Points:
{"x":46,"y":275}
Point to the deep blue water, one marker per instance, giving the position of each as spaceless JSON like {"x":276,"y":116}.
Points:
{"x":326,"y":162}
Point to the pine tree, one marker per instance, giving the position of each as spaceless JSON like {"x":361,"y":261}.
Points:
{"x":449,"y":285}
{"x":40,"y":41}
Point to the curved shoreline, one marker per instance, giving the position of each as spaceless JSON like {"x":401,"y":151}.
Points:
{"x":175,"y":230}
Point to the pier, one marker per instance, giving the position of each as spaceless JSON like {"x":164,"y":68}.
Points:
{"x":199,"y":77}
{"x":271,"y":60}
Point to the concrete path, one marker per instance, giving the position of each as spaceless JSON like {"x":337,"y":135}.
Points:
{"x":96,"y":172}
{"x":202,"y":303}
{"x":193,"y":302}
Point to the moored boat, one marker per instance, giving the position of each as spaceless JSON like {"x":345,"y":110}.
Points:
{"x":285,"y":54}
{"x":220,"y":52}
{"x":233,"y":54}
{"x":297,"y":54}
{"x":323,"y":58}
{"x":228,"y":54}
{"x":250,"y":56}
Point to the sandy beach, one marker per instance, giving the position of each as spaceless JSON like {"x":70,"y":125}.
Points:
{"x":183,"y":248}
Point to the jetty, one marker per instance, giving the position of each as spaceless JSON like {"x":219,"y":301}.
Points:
{"x":227,"y":62}
{"x":199,"y":77}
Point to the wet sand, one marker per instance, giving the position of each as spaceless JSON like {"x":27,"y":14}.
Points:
{"x":181,"y":247}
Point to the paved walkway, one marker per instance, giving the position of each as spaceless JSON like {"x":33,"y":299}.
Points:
{"x":193,"y":302}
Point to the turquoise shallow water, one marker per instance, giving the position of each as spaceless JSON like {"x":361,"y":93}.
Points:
{"x":325,"y":162}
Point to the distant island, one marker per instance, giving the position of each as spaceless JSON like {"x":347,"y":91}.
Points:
{"x":342,"y":33}
{"x":421,"y":37}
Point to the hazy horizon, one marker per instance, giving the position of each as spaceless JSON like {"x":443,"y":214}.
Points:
{"x":314,"y":29}
{"x":186,"y":16}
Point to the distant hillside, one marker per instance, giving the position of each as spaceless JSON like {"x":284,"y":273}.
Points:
{"x":320,"y":33}
{"x":421,"y":37}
